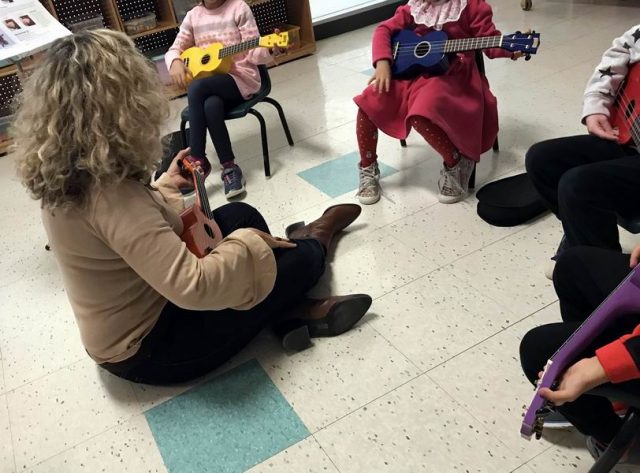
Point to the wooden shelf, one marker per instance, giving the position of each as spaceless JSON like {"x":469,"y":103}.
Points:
{"x":162,"y":26}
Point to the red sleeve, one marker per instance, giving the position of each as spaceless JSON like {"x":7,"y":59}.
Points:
{"x":382,"y":35}
{"x":481,"y":24}
{"x":621,"y":358}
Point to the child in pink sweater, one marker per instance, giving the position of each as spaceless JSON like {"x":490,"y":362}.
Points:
{"x":456,"y":113}
{"x":228,"y":22}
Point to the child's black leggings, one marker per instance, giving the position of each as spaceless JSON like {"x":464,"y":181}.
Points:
{"x":209,"y":100}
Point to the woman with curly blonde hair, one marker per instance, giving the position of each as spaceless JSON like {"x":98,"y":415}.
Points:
{"x":148,"y":310}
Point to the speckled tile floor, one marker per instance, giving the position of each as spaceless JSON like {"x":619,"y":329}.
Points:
{"x":429,"y":382}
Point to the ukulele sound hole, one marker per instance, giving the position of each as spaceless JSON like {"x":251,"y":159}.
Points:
{"x":209,"y":231}
{"x":422,"y":49}
{"x":206,"y":59}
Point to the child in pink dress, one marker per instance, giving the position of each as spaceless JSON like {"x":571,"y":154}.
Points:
{"x":456,"y":113}
{"x":228,"y":22}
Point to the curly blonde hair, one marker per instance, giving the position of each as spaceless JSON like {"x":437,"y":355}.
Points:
{"x":90,"y":115}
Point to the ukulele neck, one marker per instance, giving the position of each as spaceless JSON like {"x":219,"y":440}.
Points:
{"x":239,"y":48}
{"x":470,"y":44}
{"x":201,"y":194}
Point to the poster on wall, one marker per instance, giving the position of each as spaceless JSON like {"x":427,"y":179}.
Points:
{"x":26,"y":27}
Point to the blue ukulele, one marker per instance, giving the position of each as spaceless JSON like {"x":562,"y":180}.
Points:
{"x":429,"y":54}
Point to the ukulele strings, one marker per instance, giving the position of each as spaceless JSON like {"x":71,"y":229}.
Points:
{"x":202,"y":193}
{"x":632,"y":121}
{"x":411,"y":51}
{"x":522,"y":41}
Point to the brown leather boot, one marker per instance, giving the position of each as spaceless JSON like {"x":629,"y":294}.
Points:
{"x":333,"y":220}
{"x":332,"y":316}
{"x":313,"y":318}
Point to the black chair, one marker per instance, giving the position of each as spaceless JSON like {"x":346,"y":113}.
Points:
{"x":626,"y":393}
{"x":246,"y":108}
{"x":496,"y":144}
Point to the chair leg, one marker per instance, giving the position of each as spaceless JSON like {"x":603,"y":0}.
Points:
{"x":265,"y":142}
{"x":618,"y":447}
{"x":496,"y":145}
{"x":403,"y":143}
{"x":183,"y":134}
{"x":283,"y":119}
{"x":472,"y":179}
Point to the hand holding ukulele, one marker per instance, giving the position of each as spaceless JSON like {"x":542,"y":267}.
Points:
{"x":580,"y":378}
{"x":180,"y":75}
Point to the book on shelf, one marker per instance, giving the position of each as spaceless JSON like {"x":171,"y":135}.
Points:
{"x":26,"y":28}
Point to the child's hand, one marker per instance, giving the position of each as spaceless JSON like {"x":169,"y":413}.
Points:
{"x":179,"y":73}
{"x":580,"y":378}
{"x":382,"y":78}
{"x":635,"y":257}
{"x":599,"y":125}
{"x":516,"y":55}
{"x":277,"y":51}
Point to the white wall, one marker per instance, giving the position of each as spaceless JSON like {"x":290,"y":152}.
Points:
{"x":323,"y":10}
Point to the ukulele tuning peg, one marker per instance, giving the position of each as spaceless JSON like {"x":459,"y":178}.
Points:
{"x":527,"y":57}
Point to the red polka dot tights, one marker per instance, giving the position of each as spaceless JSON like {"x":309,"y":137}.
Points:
{"x":367,"y":134}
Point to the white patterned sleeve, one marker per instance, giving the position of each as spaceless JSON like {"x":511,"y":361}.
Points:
{"x":603,"y":85}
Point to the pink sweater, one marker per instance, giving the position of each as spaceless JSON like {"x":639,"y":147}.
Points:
{"x":229,"y":24}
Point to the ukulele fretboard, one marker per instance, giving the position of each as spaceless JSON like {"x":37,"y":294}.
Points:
{"x":469,"y":44}
{"x":239,"y":48}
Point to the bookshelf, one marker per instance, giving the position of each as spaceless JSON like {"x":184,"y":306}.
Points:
{"x":114,"y":14}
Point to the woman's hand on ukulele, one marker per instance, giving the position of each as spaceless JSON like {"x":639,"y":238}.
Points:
{"x":580,"y":378}
{"x":599,"y":125}
{"x":175,"y":170}
{"x":179,"y":73}
{"x":273,"y":242}
{"x":382,"y":77}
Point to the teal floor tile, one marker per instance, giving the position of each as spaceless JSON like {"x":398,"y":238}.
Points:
{"x":227,"y":425}
{"x":339,"y":176}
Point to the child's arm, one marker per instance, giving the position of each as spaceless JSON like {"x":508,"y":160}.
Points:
{"x":608,"y":76}
{"x":184,"y":40}
{"x":481,"y":24}
{"x":381,"y":47}
{"x":249,"y":30}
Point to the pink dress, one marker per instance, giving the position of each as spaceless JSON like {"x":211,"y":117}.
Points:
{"x":460,"y":101}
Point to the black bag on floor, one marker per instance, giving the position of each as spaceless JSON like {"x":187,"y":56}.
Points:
{"x":509,"y":202}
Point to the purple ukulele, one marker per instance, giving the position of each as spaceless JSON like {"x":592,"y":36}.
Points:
{"x":623,"y":300}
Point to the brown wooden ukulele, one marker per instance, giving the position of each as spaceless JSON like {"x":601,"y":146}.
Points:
{"x":201,"y":233}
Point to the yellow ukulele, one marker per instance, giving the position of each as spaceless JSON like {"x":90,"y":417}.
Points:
{"x":218,"y":59}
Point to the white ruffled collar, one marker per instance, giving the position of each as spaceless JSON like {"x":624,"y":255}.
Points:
{"x":434,"y":15}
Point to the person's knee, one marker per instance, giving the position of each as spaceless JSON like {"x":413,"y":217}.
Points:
{"x":537,"y":156}
{"x":196,"y":90}
{"x":568,"y":262}
{"x":577,"y":185}
{"x":530,"y":356}
{"x":214,"y":107}
{"x":242,"y":208}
